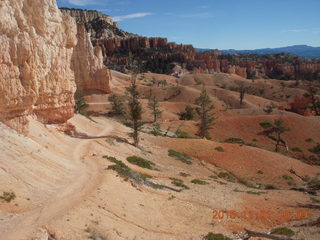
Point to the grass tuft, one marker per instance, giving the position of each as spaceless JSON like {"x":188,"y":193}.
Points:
{"x":141,"y":162}
{"x":283,"y":231}
{"x":198,"y":181}
{"x":183,"y":157}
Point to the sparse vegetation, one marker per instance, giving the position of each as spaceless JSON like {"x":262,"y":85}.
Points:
{"x":117,"y":104}
{"x":181,"y":134}
{"x":183,"y":157}
{"x":80,"y":103}
{"x":134,"y":110}
{"x":234,"y":140}
{"x":124,"y":171}
{"x":266,"y":125}
{"x":198,"y":181}
{"x":8,"y":196}
{"x":182,"y":174}
{"x":178,"y":183}
{"x":141,"y":162}
{"x":154,"y":106}
{"x":260,"y":172}
{"x":283,"y":231}
{"x":219,"y":149}
{"x":315,"y":149}
{"x":204,"y":110}
{"x":188,"y":114}
{"x":227,"y":176}
{"x":249,"y":185}
{"x":286,"y":177}
{"x":314,"y":183}
{"x":270,"y":187}
{"x":296,"y":149}
{"x":278,"y":128}
{"x":268,"y":109}
{"x":215,"y":236}
{"x":314,"y":200}
{"x":309,"y":140}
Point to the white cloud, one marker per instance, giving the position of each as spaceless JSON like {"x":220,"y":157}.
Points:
{"x":80,"y":2}
{"x":133,"y":15}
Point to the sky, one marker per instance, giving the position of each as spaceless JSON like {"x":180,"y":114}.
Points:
{"x":216,"y":24}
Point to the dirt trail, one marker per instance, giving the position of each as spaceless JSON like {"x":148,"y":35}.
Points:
{"x":87,"y":177}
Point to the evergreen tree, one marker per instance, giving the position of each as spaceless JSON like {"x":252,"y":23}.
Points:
{"x":277,"y":128}
{"x":117,"y":104}
{"x":154,"y":106}
{"x":204,"y":110}
{"x":134,"y":109}
{"x":80,"y":103}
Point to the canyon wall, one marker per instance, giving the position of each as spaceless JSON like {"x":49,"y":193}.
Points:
{"x":36,"y":48}
{"x":44,"y":57}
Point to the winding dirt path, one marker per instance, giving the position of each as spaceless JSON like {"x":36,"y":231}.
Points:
{"x":87,"y":178}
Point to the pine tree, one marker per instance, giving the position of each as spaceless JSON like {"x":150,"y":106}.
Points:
{"x":80,"y":103}
{"x":134,"y":109}
{"x":277,"y":128}
{"x":204,"y":110}
{"x":154,"y":106}
{"x":117,"y":104}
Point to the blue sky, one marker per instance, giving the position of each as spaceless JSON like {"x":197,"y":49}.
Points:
{"x":222,"y":24}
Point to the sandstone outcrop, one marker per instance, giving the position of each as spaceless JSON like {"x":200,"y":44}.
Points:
{"x":87,"y":64}
{"x":36,"y":48}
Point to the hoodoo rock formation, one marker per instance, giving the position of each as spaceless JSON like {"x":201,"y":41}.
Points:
{"x":36,"y":47}
{"x":42,"y":62}
{"x":87,"y":64}
{"x":159,"y":55}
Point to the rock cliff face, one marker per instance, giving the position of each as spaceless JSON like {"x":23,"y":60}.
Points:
{"x":83,"y":16}
{"x":36,"y":47}
{"x":87,"y":64}
{"x":99,"y":25}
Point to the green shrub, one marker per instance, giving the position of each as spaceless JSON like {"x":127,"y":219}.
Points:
{"x":286,"y":177}
{"x":315,"y":149}
{"x":309,"y":140}
{"x":8,"y":196}
{"x":266,"y":125}
{"x":141,"y":162}
{"x":125,"y":172}
{"x":178,"y":183}
{"x":182,"y":174}
{"x":227,"y":176}
{"x":314,"y":183}
{"x":219,"y":149}
{"x":283,"y":231}
{"x":215,"y":236}
{"x":182,"y":134}
{"x":314,"y":200}
{"x":248,"y":184}
{"x":270,"y":187}
{"x":234,"y":140}
{"x":254,"y":140}
{"x":296,"y":149}
{"x":183,"y":157}
{"x":198,"y":181}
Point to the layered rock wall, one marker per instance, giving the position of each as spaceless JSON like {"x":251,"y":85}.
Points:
{"x":36,"y":48}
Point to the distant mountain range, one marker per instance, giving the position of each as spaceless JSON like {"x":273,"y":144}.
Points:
{"x":298,"y":50}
